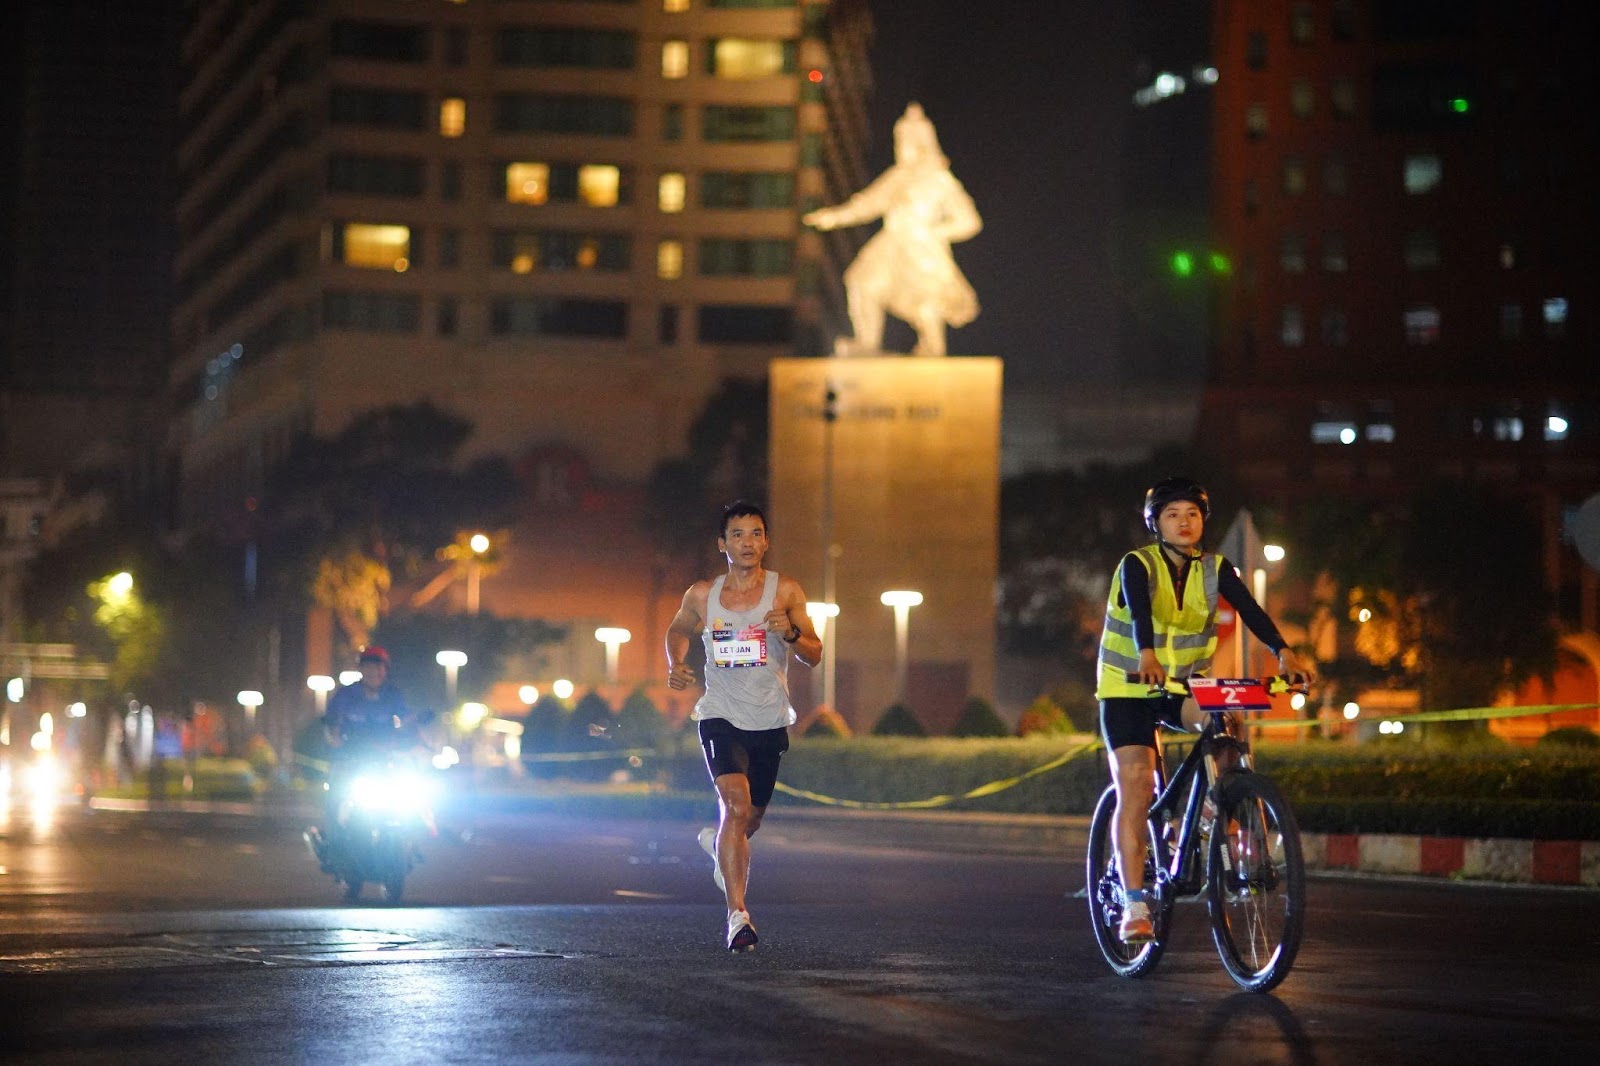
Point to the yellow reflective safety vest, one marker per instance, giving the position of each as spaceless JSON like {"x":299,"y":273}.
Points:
{"x":1186,"y":633}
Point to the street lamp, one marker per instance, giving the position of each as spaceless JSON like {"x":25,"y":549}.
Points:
{"x":452,"y":661}
{"x":479,"y":544}
{"x":613,"y":638}
{"x":250,"y":699}
{"x":321,"y":684}
{"x":820,"y":611}
{"x":902,"y":600}
{"x":528,"y":694}
{"x":562,"y":688}
{"x":349,"y":677}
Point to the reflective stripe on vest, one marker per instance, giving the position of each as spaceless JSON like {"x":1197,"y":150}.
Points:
{"x":1186,"y":635}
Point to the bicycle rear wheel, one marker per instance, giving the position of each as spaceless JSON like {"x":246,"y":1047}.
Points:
{"x":1105,"y":898}
{"x":1255,"y":882}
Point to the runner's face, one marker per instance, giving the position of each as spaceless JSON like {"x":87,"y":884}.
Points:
{"x":743,"y":541}
{"x":1181,"y":524}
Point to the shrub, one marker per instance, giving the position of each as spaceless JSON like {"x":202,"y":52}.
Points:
{"x":898,"y":721}
{"x":1571,"y":736}
{"x":1077,"y":700}
{"x":262,"y":759}
{"x":1045,"y":716}
{"x":978,"y":720}
{"x":639,"y":724}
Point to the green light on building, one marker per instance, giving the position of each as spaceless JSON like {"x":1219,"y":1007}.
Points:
{"x":1460,"y":105}
{"x":1182,"y":264}
{"x":1220,"y":264}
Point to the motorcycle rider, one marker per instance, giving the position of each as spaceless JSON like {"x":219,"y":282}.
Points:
{"x":364,"y":720}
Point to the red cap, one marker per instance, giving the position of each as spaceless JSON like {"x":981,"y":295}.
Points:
{"x":374,"y":653}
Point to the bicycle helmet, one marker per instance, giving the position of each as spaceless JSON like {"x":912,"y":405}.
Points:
{"x":1169,"y":489}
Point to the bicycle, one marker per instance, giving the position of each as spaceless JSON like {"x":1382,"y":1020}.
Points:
{"x":1253,"y":872}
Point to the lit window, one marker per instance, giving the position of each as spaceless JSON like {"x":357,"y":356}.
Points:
{"x":1423,"y":173}
{"x":452,"y":116}
{"x":1331,"y":432}
{"x":675,"y":59}
{"x":1335,"y":176}
{"x":528,"y":183}
{"x":1422,"y":324}
{"x":1292,"y":254}
{"x":670,"y":193}
{"x":1335,"y":328}
{"x":1508,"y":256}
{"x":377,"y":247}
{"x":1506,"y":428}
{"x":669,"y":260}
{"x":1292,"y":327}
{"x":1380,"y":432}
{"x":1294,"y":176}
{"x":1555,"y":428}
{"x":599,"y":184}
{"x":1255,"y":122}
{"x":1422,"y":250}
{"x":1555,"y":317}
{"x":1302,"y":99}
{"x":734,"y":57}
{"x":674,"y":7}
{"x":1510,"y":322}
{"x":588,"y":253}
{"x":1302,"y":24}
{"x":1334,"y":260}
{"x":1342,"y":98}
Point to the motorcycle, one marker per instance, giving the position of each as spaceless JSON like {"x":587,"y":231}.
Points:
{"x":384,"y":809}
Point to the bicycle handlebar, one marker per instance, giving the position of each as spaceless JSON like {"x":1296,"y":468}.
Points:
{"x":1276,"y":684}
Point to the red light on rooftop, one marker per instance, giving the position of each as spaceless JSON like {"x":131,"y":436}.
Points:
{"x":814,"y":76}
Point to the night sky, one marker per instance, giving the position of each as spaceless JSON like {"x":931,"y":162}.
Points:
{"x":1032,"y":103}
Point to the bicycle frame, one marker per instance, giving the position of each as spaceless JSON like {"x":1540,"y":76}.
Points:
{"x":1179,"y":801}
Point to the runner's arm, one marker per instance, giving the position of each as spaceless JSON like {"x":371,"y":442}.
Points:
{"x":789,"y":618}
{"x":685,"y":626}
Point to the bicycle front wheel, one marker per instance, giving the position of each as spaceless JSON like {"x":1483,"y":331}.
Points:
{"x":1104,"y":890}
{"x":1255,"y":882}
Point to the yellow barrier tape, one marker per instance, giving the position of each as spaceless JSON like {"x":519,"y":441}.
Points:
{"x":988,"y":789}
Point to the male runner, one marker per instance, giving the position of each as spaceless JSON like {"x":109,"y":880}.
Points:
{"x":749,"y":620}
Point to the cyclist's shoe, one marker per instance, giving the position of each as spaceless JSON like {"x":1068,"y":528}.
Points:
{"x":1136,"y":927}
{"x":708,"y":844}
{"x":741,"y":932}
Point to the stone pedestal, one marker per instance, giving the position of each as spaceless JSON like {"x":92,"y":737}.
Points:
{"x":915,"y":487}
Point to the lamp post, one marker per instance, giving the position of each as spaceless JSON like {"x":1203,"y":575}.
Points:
{"x":250,"y":700}
{"x":819,"y":612}
{"x":349,"y":677}
{"x":479,"y":544}
{"x":452,"y":661}
{"x":613,"y":638}
{"x":321,"y":684}
{"x":902,"y":600}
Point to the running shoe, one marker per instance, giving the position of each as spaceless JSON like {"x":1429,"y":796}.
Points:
{"x":741,"y":932}
{"x":1136,"y":925}
{"x":708,"y":844}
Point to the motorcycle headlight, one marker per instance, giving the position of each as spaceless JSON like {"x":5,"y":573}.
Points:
{"x":403,"y":792}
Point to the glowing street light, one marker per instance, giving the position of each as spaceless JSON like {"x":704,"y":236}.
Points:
{"x":613,"y":637}
{"x":819,"y":612}
{"x":452,"y":661}
{"x":471,"y":715}
{"x":1352,"y":711}
{"x":321,"y":684}
{"x":349,"y":677}
{"x":479,"y":544}
{"x":902,"y":600}
{"x":528,"y":694}
{"x":562,"y":688}
{"x":250,"y":699}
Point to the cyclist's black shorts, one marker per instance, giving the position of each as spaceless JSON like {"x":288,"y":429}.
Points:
{"x":1131,"y":721}
{"x":752,"y":752}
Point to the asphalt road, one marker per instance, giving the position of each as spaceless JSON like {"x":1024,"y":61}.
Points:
{"x":173,"y":937}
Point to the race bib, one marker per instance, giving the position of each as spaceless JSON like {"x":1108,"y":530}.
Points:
{"x":1229,"y":694}
{"x":733,"y":648}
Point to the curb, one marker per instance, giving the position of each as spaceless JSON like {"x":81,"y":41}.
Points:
{"x":1511,"y":861}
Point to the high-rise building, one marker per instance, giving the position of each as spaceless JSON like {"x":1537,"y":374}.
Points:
{"x":86,"y":127}
{"x":1401,"y":190}
{"x":564,"y":221}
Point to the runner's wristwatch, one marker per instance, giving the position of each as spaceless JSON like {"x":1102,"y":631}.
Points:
{"x":793,"y":635}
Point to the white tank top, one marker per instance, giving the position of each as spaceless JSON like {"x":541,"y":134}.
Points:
{"x":747,"y":667}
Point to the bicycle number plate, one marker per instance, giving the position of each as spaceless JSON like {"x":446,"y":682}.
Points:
{"x":1230,"y":694}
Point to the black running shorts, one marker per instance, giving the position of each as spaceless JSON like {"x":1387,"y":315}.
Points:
{"x":752,"y":752}
{"x":1131,"y":721}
